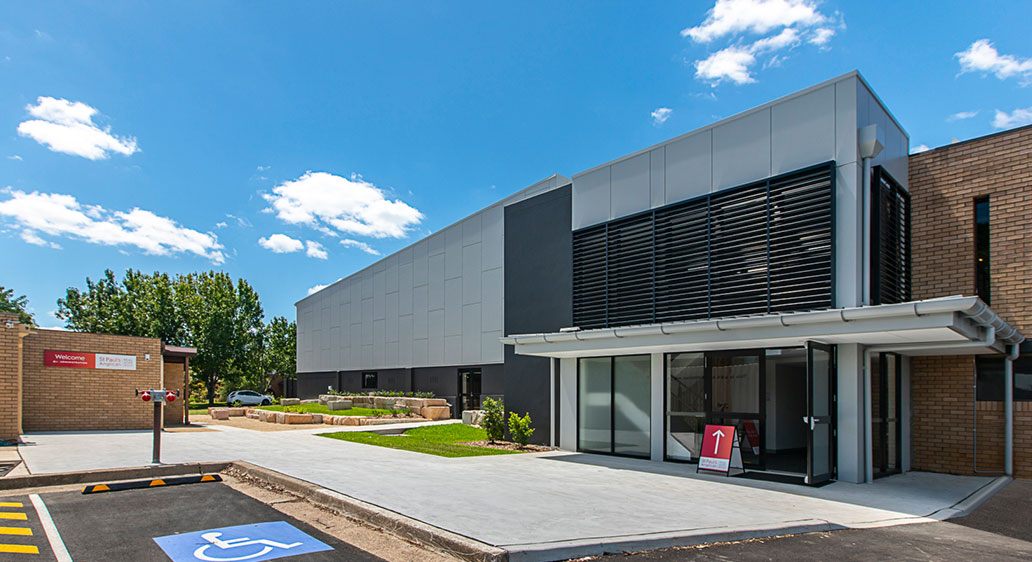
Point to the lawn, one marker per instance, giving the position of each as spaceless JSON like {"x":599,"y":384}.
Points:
{"x":321,"y":409}
{"x":440,"y":440}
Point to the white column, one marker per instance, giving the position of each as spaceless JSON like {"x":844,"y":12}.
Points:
{"x":552,"y":398}
{"x":904,"y":413}
{"x":568,"y":404}
{"x":657,"y":429}
{"x":850,"y":415}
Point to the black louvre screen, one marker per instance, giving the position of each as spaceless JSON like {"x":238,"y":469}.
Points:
{"x":589,"y":275}
{"x":890,"y":238}
{"x":764,"y":247}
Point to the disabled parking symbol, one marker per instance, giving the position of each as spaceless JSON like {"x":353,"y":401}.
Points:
{"x":251,"y":543}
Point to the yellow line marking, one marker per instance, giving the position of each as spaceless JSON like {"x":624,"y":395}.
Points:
{"x":11,"y":504}
{"x":158,"y":482}
{"x":207,"y":478}
{"x":23,"y":531}
{"x":101,"y":488}
{"x":19,"y":548}
{"x":14,"y":516}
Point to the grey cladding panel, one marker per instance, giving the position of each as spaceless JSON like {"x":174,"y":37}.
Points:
{"x":803,"y":131}
{"x":689,"y":165}
{"x":631,"y":190}
{"x":741,"y":150}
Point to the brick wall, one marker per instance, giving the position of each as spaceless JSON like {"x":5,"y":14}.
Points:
{"x":174,"y":373}
{"x":10,"y":377}
{"x":943,"y":185}
{"x":65,"y":399}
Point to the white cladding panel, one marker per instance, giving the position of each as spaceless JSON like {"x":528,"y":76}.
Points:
{"x":437,"y":302}
{"x":811,"y":127}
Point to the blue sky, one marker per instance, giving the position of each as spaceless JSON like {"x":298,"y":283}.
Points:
{"x":284,"y":142}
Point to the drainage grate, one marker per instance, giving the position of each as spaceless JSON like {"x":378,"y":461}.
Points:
{"x":6,"y":467}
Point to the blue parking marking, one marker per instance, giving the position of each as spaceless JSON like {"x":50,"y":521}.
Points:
{"x":253,"y":543}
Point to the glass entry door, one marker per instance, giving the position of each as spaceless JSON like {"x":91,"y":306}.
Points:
{"x":820,"y":412}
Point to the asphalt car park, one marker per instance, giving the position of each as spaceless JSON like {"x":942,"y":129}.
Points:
{"x":197,"y":522}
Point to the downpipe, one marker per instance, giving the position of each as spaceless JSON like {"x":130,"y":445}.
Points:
{"x":1008,"y":410}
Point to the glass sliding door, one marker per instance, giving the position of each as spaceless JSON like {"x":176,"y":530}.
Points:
{"x":614,"y":405}
{"x":885,"y":408}
{"x":595,"y":405}
{"x":632,"y":405}
{"x":737,"y":383}
{"x":686,"y":405}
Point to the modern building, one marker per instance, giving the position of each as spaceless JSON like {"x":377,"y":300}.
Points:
{"x":758,"y":272}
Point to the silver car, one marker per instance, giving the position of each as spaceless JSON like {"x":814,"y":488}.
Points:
{"x":248,"y":398}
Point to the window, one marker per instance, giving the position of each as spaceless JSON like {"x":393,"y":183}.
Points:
{"x":369,"y":380}
{"x":982,"y":284}
{"x":614,"y":405}
{"x":989,"y":378}
{"x":890,"y":239}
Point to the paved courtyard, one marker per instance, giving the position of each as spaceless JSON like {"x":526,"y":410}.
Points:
{"x":540,"y":505}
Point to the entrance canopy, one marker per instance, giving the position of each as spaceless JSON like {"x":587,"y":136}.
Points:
{"x":944,"y":326}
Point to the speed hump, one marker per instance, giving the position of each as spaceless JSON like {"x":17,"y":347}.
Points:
{"x":720,"y":450}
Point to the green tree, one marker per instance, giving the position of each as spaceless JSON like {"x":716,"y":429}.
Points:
{"x":280,"y":358}
{"x":18,"y":305}
{"x":209,"y":303}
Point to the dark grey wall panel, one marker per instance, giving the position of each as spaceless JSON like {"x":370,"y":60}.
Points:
{"x":538,"y":295}
{"x":311,"y":385}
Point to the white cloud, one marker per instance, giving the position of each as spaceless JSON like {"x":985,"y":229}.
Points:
{"x":660,"y":115}
{"x":316,"y":288}
{"x":68,"y":127}
{"x":281,"y":244}
{"x":221,"y":224}
{"x":352,"y":205}
{"x":32,"y":237}
{"x":740,"y":21}
{"x":728,"y":17}
{"x":56,"y":214}
{"x":15,"y":157}
{"x":961,"y":115}
{"x":1016,"y":118}
{"x":348,"y":242}
{"x":731,"y":64}
{"x":821,"y":36}
{"x":315,"y":250}
{"x":920,"y":148}
{"x":982,"y":56}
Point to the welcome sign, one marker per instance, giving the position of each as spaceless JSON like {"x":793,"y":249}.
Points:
{"x":84,"y":360}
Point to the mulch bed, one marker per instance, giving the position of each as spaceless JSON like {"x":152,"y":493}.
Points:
{"x":509,"y":446}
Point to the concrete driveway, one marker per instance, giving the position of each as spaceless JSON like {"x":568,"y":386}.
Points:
{"x":536,"y":506}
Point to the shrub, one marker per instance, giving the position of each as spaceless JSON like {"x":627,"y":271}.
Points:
{"x":494,"y":419}
{"x":520,"y":428}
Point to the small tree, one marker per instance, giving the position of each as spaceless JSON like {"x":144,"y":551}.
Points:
{"x":520,"y":428}
{"x":494,"y":419}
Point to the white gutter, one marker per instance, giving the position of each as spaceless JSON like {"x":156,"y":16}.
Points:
{"x":971,"y":307}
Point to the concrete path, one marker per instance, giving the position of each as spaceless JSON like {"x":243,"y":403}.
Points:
{"x":537,"y":506}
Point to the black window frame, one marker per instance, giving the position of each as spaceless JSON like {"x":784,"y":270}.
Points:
{"x":370,"y":375}
{"x":983,"y":249}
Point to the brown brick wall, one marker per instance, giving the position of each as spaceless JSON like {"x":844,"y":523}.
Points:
{"x":10,"y":377}
{"x":174,"y":381}
{"x":943,"y":186}
{"x":65,"y":399}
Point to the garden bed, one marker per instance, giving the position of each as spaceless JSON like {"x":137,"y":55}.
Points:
{"x":451,"y":440}
{"x":319,"y":414}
